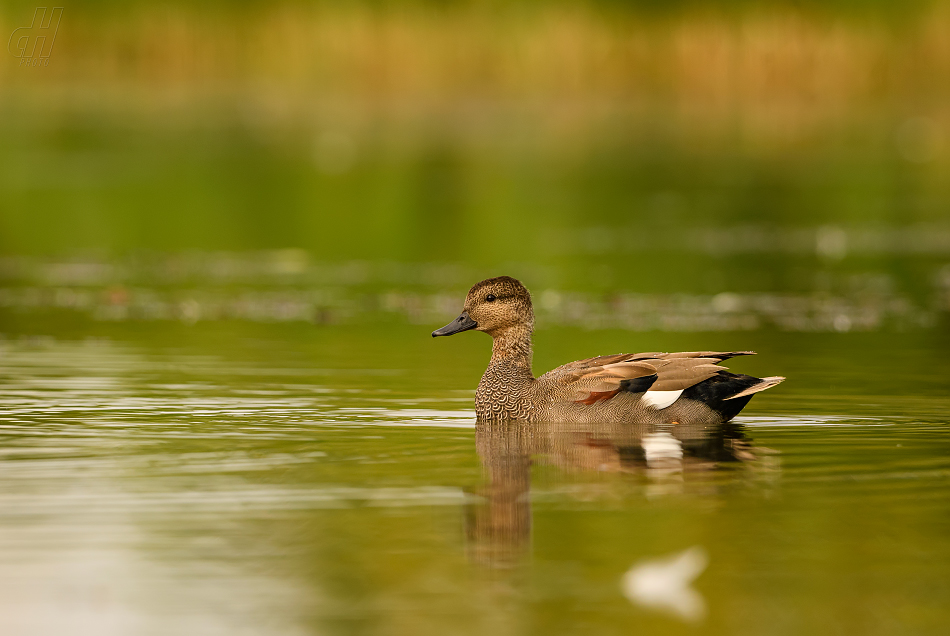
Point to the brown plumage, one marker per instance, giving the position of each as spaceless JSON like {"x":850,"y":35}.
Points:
{"x":643,"y":387}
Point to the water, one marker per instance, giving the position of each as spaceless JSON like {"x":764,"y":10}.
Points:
{"x":227,"y":231}
{"x":239,"y":479}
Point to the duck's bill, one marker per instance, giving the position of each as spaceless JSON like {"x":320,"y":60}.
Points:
{"x":462,"y":323}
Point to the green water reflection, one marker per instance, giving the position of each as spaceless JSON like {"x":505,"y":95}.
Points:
{"x":326,"y":480}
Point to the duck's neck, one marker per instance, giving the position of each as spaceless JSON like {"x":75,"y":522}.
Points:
{"x":512,"y":346}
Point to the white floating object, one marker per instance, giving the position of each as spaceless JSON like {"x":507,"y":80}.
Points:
{"x":660,"y":399}
{"x":665,"y":584}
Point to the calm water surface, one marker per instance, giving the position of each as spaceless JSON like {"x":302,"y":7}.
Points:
{"x":276,"y":488}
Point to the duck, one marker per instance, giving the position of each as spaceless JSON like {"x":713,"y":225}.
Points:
{"x":656,"y":388}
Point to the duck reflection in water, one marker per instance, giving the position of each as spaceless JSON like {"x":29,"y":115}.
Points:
{"x":498,"y":519}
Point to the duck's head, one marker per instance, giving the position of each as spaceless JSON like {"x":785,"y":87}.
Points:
{"x":493,"y":306}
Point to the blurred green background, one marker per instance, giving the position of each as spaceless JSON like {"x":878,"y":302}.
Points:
{"x":790,"y":155}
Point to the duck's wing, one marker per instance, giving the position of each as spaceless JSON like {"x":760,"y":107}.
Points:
{"x":661,"y":377}
{"x":718,"y":356}
{"x":601,"y":378}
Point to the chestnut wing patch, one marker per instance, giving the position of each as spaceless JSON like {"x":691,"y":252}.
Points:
{"x":597,"y":382}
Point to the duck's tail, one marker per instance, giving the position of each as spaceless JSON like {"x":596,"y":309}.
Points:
{"x":728,"y":393}
{"x":761,"y":385}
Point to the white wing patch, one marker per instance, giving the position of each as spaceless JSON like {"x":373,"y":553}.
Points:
{"x":660,"y":399}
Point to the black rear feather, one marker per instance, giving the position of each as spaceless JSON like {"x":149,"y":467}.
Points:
{"x":716,"y":391}
{"x":638,"y":385}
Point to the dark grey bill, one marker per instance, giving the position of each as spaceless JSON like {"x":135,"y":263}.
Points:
{"x":462,"y":323}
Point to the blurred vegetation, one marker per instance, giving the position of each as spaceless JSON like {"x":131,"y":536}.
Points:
{"x":678,"y":146}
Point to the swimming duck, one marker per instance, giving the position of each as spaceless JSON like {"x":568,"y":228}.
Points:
{"x":658,"y":388}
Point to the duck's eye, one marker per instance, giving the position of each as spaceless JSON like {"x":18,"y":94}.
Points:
{"x":490,"y":298}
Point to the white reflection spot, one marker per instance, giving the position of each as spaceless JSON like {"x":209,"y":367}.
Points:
{"x":727,"y":302}
{"x":661,"y":449}
{"x":665,"y":584}
{"x":831,"y":242}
